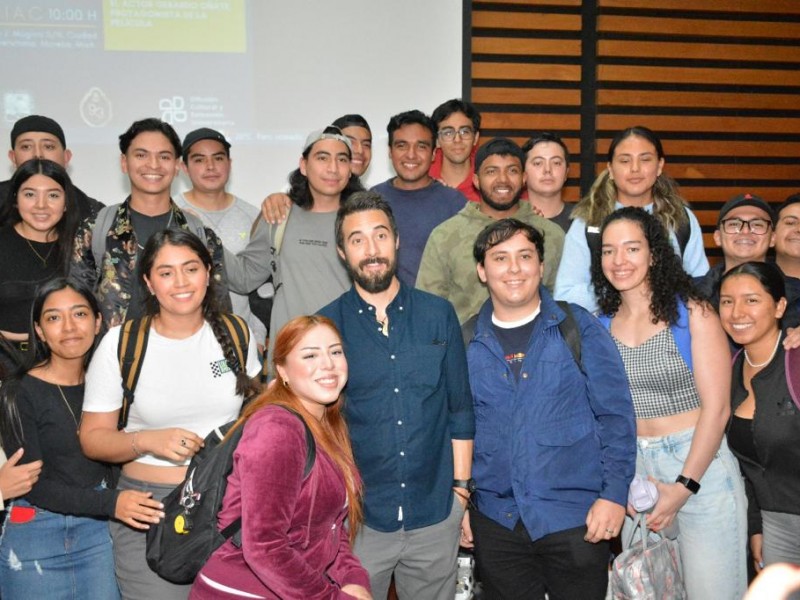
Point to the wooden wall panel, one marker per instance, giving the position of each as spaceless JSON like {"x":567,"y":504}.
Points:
{"x":718,"y":80}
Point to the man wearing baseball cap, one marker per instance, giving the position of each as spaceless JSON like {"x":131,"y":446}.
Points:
{"x":745,"y":232}
{"x":206,"y":160}
{"x":300,"y":253}
{"x":448,"y":267}
{"x":36,"y":136}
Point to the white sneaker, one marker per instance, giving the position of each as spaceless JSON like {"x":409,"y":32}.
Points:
{"x":465,"y":582}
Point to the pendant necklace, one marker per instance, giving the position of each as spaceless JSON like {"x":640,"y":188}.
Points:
{"x":69,"y":408}
{"x":39,"y":256}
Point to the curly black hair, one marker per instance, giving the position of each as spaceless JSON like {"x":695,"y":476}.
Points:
{"x":666,"y":278}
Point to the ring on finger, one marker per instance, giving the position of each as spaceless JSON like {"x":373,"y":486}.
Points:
{"x":183,"y":441}
{"x":610,"y":531}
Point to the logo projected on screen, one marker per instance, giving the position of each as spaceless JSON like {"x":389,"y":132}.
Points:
{"x":17,"y":105}
{"x":95,"y":108}
{"x":173,"y":110}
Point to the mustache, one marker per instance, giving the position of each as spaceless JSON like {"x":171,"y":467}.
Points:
{"x":373,"y":261}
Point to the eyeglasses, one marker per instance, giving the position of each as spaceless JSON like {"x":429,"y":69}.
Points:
{"x":448,"y":134}
{"x":756,"y":226}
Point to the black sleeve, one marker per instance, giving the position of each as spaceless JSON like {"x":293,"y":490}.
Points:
{"x":50,"y":493}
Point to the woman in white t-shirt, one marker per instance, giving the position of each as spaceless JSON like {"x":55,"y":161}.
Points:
{"x":190,"y":382}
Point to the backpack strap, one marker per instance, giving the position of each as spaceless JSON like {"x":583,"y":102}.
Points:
{"x":468,"y":329}
{"x":277,"y":233}
{"x":240,"y":335}
{"x":792,"y":367}
{"x":196,"y":226}
{"x":133,"y":337}
{"x":570,"y":332}
{"x":234,"y":530}
{"x":102,"y":225}
{"x":682,"y":335}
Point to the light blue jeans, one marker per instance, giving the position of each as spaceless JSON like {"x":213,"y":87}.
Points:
{"x":55,"y":556}
{"x":712,"y":524}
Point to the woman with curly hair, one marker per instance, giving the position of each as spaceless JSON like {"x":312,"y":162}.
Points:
{"x":190,"y":382}
{"x":634,"y":177}
{"x":677,"y":359}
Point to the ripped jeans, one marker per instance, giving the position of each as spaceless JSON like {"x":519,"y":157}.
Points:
{"x":49,"y":555}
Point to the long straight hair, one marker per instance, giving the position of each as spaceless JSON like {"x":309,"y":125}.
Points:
{"x":331,"y":432}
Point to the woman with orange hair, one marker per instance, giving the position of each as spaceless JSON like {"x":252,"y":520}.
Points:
{"x":293,"y":544}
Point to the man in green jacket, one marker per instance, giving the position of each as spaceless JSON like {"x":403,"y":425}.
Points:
{"x":448,"y":267}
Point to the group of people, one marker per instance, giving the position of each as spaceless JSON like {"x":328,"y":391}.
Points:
{"x":436,"y":337}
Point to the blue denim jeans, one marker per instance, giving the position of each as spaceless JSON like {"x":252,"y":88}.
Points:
{"x":712,"y":524}
{"x":57,"y":557}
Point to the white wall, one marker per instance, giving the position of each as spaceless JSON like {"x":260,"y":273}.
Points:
{"x":307,"y":62}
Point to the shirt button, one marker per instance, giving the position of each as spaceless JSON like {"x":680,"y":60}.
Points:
{"x":402,"y":485}
{"x":360,"y":311}
{"x":396,"y":390}
{"x":392,"y":357}
{"x":402,"y":453}
{"x":524,"y":375}
{"x":369,"y":309}
{"x":400,"y":308}
{"x":399,"y":422}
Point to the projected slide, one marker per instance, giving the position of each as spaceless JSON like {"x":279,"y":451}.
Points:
{"x":99,"y":63}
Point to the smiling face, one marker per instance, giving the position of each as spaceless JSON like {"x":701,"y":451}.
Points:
{"x":545,"y":170}
{"x":634,"y":169}
{"x":411,"y":153}
{"x":499,"y":180}
{"x":512,"y":271}
{"x":625,"y":256}
{"x":458,"y":148}
{"x":748,"y":312}
{"x":208,"y":166}
{"x":361,"y":142}
{"x":327,"y":168}
{"x":41,"y":203}
{"x":179,"y":281}
{"x":67,"y":324}
{"x":745,"y":245}
{"x":38,"y":144}
{"x":316,"y":369}
{"x":150,"y":163}
{"x":370,"y":250}
{"x":787,"y":233}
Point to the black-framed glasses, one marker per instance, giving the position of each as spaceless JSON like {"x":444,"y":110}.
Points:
{"x":449,"y":133}
{"x":756,"y":226}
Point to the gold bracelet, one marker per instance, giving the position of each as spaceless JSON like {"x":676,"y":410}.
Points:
{"x":133,"y":445}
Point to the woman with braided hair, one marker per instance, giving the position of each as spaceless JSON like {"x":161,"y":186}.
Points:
{"x":190,"y":382}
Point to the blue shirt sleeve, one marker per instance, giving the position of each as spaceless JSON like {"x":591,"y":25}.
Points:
{"x":574,"y":280}
{"x":610,"y":401}
{"x":461,"y":419}
{"x":695,"y":262}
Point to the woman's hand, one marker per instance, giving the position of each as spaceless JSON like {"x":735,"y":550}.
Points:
{"x":17,"y":480}
{"x":756,"y":549}
{"x":137,"y":509}
{"x":357,"y":591}
{"x":173,"y":444}
{"x":275,"y":208}
{"x":792,"y":339}
{"x":671,"y":498}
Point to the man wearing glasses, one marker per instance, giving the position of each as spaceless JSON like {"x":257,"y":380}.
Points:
{"x":745,"y":232}
{"x":458,"y":125}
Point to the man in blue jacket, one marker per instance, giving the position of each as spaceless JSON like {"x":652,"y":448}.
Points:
{"x":554,"y":430}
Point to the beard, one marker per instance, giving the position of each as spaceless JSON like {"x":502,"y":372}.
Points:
{"x":500,"y":206}
{"x":377,"y":282}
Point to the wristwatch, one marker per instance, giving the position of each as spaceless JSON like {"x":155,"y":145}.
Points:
{"x":690,"y":484}
{"x":465,"y":484}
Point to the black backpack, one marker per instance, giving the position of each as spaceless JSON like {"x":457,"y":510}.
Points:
{"x":179,"y":546}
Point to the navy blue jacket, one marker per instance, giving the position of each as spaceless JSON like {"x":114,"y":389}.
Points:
{"x":549,"y":445}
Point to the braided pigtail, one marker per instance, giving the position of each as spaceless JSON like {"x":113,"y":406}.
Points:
{"x":244,"y":385}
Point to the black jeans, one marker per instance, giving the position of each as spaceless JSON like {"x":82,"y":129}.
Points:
{"x":561,"y":564}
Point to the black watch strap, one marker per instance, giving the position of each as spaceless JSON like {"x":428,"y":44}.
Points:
{"x":465,"y":484}
{"x":690,"y":484}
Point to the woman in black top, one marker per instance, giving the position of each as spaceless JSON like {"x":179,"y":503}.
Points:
{"x":765,"y":425}
{"x":56,"y":542}
{"x":40,"y":217}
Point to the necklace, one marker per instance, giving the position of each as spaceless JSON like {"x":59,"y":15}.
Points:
{"x":771,"y":356}
{"x":69,"y":408}
{"x":39,"y":256}
{"x":384,"y":323}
